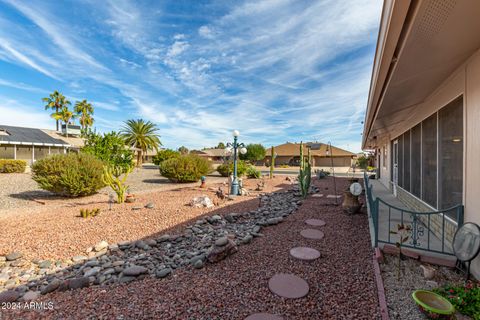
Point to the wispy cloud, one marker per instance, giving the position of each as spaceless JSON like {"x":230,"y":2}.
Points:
{"x":276,"y":70}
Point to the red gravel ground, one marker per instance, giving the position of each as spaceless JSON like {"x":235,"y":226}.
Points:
{"x":57,"y":232}
{"x":342,"y":284}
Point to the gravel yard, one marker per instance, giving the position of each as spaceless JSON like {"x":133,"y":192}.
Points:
{"x":18,"y":190}
{"x":56,"y":231}
{"x":399,"y":293}
{"x":341,"y":281}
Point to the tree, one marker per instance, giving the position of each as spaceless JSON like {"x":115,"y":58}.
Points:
{"x":56,"y":101}
{"x":142,"y":135}
{"x":183,"y":150}
{"x":64,"y":115}
{"x":221,"y":145}
{"x":84,"y":110}
{"x":255,"y":152}
{"x":362,"y":162}
{"x":111,"y":149}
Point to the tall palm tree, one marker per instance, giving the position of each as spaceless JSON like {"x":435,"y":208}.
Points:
{"x":141,"y":135}
{"x":56,"y":101}
{"x":64,"y":115}
{"x":84,"y":111}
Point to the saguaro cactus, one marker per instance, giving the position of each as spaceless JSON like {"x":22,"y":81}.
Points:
{"x":305,"y":175}
{"x":272,"y":161}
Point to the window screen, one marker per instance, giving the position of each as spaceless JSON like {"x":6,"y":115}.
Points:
{"x":450,"y":126}
{"x":406,"y":160}
{"x":400,"y":161}
{"x":416,"y":164}
{"x":429,"y":160}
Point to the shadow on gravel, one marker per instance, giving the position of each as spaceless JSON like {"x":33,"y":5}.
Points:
{"x":157,"y":255}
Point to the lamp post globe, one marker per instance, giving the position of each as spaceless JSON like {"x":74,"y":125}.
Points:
{"x":236,"y":133}
{"x":243,"y":150}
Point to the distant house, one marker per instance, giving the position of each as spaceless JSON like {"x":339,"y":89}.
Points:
{"x":212,"y":154}
{"x":322,"y":155}
{"x":31,"y":144}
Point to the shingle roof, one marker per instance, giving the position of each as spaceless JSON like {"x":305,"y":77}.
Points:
{"x":316,"y":149}
{"x":213,"y":152}
{"x":27,"y":136}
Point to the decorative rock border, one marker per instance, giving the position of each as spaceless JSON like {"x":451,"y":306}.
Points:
{"x":305,"y":253}
{"x":288,"y":286}
{"x":207,"y":240}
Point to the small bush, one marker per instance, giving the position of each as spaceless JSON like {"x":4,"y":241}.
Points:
{"x":163,"y":155}
{"x":185,"y":168}
{"x":70,"y":175}
{"x":465,"y":298}
{"x":227,"y":168}
{"x":253,"y":173}
{"x":12,"y":166}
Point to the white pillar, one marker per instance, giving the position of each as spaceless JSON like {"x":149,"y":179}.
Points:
{"x":64,"y":150}
{"x":48,"y":149}
{"x":14,"y":152}
{"x":33,"y":154}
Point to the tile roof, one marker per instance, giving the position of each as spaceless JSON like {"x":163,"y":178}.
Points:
{"x":316,"y":149}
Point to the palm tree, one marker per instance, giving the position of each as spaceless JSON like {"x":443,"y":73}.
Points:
{"x":84,"y":111}
{"x":64,"y":115}
{"x":141,"y":135}
{"x":56,"y":101}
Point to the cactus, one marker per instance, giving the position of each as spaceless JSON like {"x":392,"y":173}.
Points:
{"x":272,"y":162}
{"x":305,"y":175}
{"x":115,"y":182}
{"x":86,"y":213}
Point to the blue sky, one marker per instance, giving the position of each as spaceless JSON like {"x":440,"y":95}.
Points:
{"x":276,"y":70}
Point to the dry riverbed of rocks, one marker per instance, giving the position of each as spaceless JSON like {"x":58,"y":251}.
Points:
{"x":208,"y":240}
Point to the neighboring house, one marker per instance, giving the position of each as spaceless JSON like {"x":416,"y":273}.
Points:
{"x":423,"y":113}
{"x":213,"y":154}
{"x":322,"y":155}
{"x":148,"y":156}
{"x":31,"y":144}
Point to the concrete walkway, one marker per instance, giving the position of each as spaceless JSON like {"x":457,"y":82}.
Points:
{"x":425,"y":238}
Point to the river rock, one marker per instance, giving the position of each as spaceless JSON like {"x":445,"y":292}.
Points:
{"x":9,"y":296}
{"x":221,"y":241}
{"x":163,"y":273}
{"x":52,"y":286}
{"x":101,"y":245}
{"x":134,"y":271}
{"x":31,"y":295}
{"x":14,"y":256}
{"x":219,"y":253}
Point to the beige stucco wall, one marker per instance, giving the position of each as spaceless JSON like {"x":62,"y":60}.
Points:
{"x":25,"y":152}
{"x":465,"y":80}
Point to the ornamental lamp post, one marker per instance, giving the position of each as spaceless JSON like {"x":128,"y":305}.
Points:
{"x":240,"y":147}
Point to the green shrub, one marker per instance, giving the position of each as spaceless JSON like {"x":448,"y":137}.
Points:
{"x":70,"y":175}
{"x":86,"y":213}
{"x":253,"y":173}
{"x":185,"y":168}
{"x":163,"y":155}
{"x":12,"y":166}
{"x":465,"y":298}
{"x":227,"y":168}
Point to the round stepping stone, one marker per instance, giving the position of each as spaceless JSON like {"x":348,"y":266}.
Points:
{"x":305,"y":253}
{"x":288,"y":286}
{"x":263,"y":316}
{"x":315,"y":222}
{"x":312,"y":234}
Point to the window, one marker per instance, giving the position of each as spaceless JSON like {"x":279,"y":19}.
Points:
{"x":406,"y":160}
{"x":450,"y":129}
{"x":385,"y":157}
{"x":429,"y":160}
{"x":400,"y":161}
{"x":416,"y":165}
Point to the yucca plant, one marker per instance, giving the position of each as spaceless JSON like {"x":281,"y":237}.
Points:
{"x":305,"y":175}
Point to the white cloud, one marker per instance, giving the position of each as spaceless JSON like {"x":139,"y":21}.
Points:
{"x":206,"y":32}
{"x":177,"y":48}
{"x":15,"y":113}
